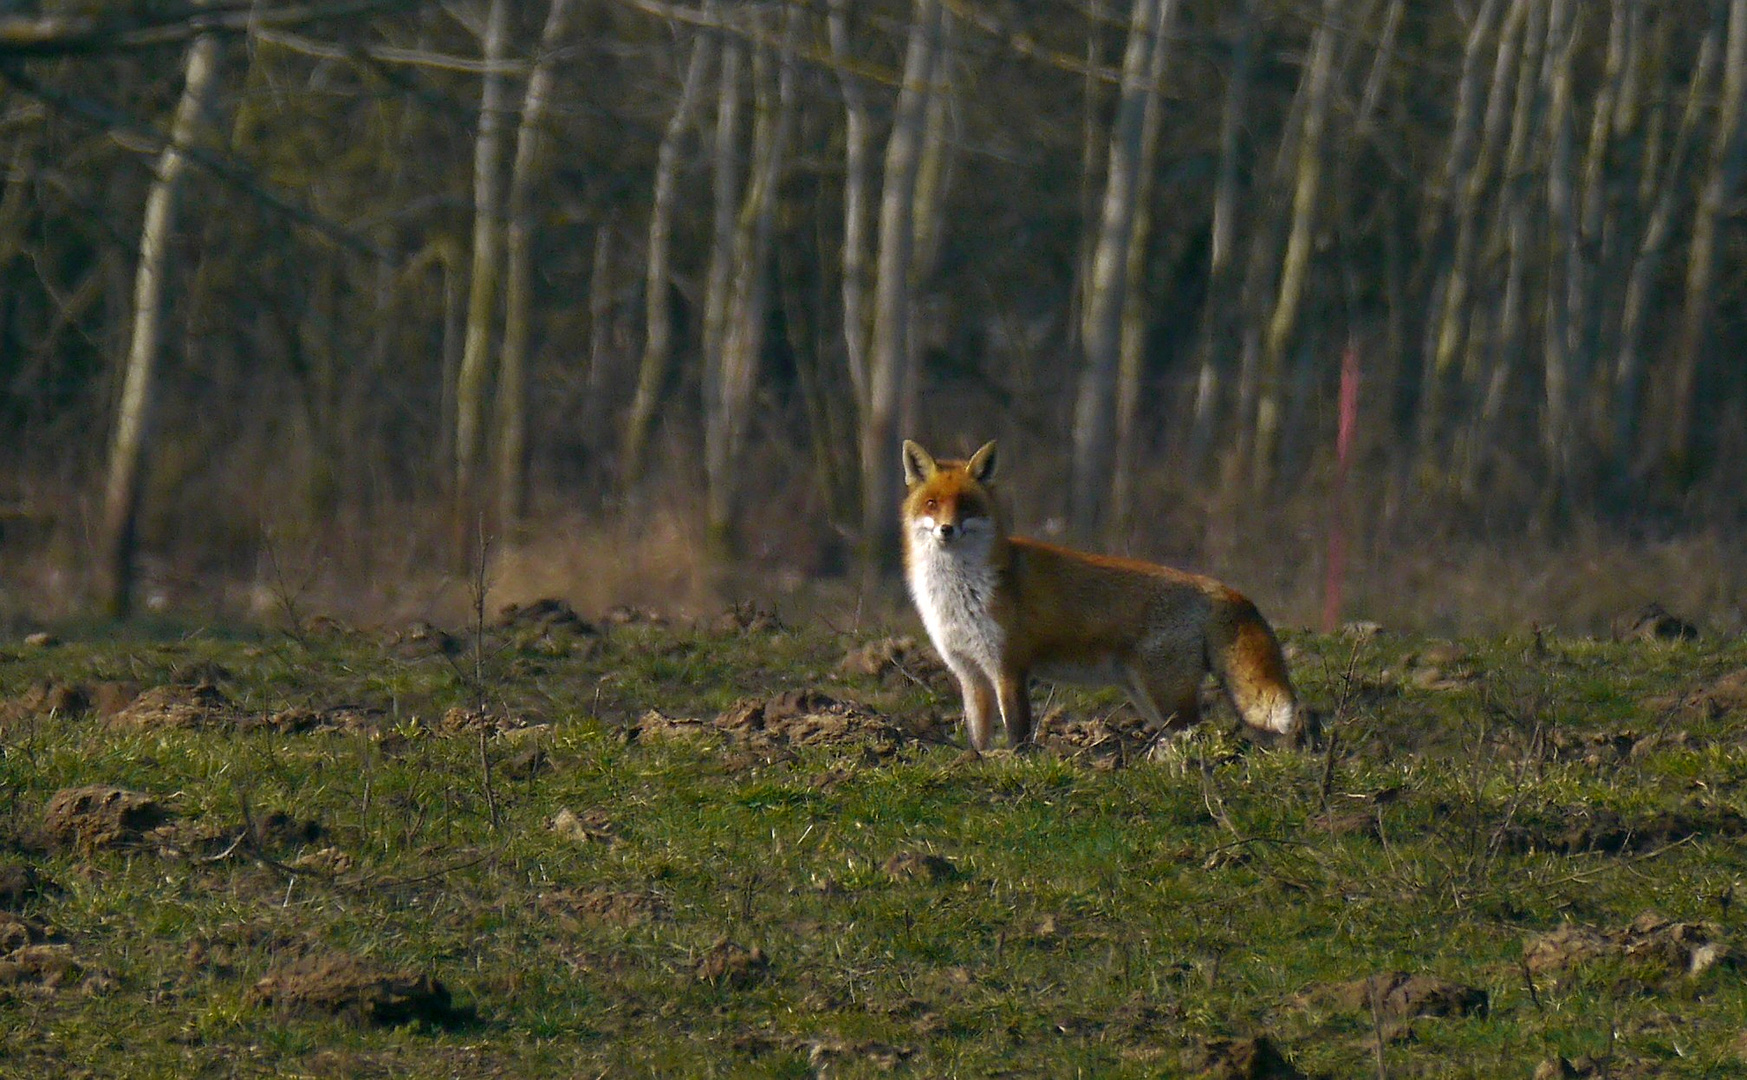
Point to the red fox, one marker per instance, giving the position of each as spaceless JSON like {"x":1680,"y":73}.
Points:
{"x":1000,"y":608}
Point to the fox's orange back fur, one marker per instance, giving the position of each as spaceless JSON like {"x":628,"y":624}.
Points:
{"x":1002,"y":608}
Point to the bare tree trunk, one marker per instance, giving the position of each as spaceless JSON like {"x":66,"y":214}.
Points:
{"x":889,"y":353}
{"x":1562,"y":248}
{"x":933,"y":179}
{"x":1216,"y":319}
{"x":1470,"y":175}
{"x":1295,"y":266}
{"x":1101,"y":333}
{"x":725,"y":195}
{"x":1646,"y":268}
{"x":127,"y":455}
{"x":1723,"y":175}
{"x":658,"y":315}
{"x":518,"y":300}
{"x":471,"y":388}
{"x":743,"y":337}
{"x":857,"y":204}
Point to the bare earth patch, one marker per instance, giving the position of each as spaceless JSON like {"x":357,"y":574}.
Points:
{"x":1396,"y":997}
{"x":614,"y":907}
{"x":199,"y":706}
{"x":98,"y":816}
{"x":728,"y":964}
{"x":1658,"y":949}
{"x":792,"y":718}
{"x":340,"y":985}
{"x":918,"y":866}
{"x":1240,"y":1059}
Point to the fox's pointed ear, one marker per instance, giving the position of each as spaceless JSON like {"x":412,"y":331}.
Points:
{"x":981,"y":466}
{"x":918,"y":465}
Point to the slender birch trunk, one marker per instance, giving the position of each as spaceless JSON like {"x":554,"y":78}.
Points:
{"x":857,"y":204}
{"x":518,"y":300}
{"x":1295,"y":265}
{"x":744,"y":334}
{"x":1646,"y":268}
{"x":889,"y":353}
{"x":658,"y":313}
{"x":133,"y":422}
{"x":1101,"y":333}
{"x":933,"y":180}
{"x":1472,"y":178}
{"x":1131,"y":350}
{"x":472,"y":383}
{"x":1723,"y":175}
{"x":1216,"y":319}
{"x":1562,"y":247}
{"x":725,"y":198}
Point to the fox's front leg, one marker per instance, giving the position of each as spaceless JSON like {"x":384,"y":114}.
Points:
{"x":979,"y":707}
{"x":1015,"y":707}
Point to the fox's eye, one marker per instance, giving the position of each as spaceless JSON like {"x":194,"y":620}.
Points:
{"x":933,"y":504}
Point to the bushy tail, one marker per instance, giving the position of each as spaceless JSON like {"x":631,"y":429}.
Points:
{"x":1245,"y":655}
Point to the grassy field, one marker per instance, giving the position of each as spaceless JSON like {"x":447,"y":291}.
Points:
{"x":634,"y":848}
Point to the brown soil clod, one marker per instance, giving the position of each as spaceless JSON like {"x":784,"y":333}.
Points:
{"x":199,"y":706}
{"x":50,"y":967}
{"x":894,"y":658}
{"x":728,"y":964}
{"x":19,"y":885}
{"x":98,"y":816}
{"x":808,"y":718}
{"x":746,"y":619}
{"x":614,"y":907}
{"x":340,"y":985}
{"x":1659,"y":949}
{"x":49,"y":697}
{"x":589,"y":827}
{"x":1397,"y":996}
{"x":822,"y":1054}
{"x":919,"y":866}
{"x":1653,"y":622}
{"x":1240,"y":1059}
{"x":16,"y":932}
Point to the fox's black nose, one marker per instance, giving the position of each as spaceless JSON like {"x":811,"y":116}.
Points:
{"x":946,"y":530}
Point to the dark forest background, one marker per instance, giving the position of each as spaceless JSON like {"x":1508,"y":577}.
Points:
{"x":331,"y":303}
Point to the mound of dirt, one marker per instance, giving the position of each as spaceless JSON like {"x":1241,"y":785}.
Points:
{"x":98,"y":816}
{"x":1585,"y":830}
{"x":918,"y":866}
{"x":466,"y":721}
{"x":198,"y":706}
{"x":807,"y":718}
{"x":298,"y":720}
{"x":746,"y":619}
{"x":895,"y":658}
{"x":1240,"y":1059}
{"x":792,"y":718}
{"x":1396,"y":996}
{"x":614,"y":907}
{"x":1726,"y":695}
{"x":1652,"y":622}
{"x":728,"y":964}
{"x":16,"y":932}
{"x":19,"y":884}
{"x":589,"y":827}
{"x":549,"y":627}
{"x":48,"y":968}
{"x":48,"y":697}
{"x":1108,"y":740}
{"x":1656,"y":948}
{"x":340,"y":985}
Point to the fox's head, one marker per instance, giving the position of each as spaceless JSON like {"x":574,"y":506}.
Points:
{"x":950,"y":502}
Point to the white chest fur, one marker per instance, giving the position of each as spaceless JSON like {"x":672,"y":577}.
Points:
{"x":953,"y":585}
